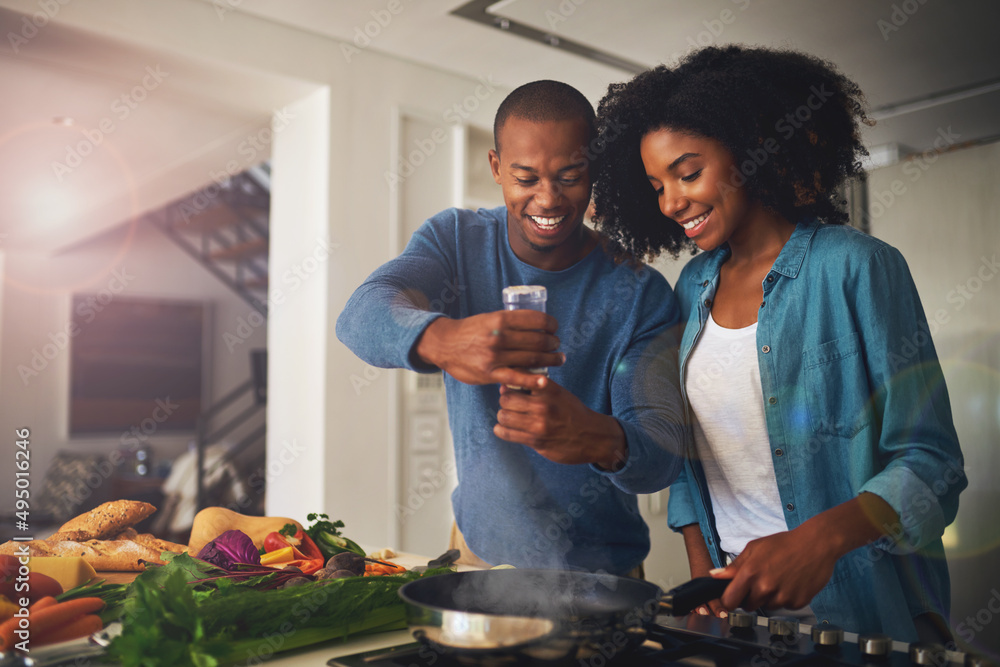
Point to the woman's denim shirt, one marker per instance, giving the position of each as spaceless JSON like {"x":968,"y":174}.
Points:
{"x":854,"y":400}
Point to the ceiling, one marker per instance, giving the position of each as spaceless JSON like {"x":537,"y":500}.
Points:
{"x":929,"y":68}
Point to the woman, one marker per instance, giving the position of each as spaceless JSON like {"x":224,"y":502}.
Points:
{"x":824,"y":464}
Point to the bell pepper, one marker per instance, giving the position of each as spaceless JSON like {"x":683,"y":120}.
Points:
{"x":298,"y":550}
{"x":278,"y":556}
{"x":309,"y":548}
{"x":275,"y":541}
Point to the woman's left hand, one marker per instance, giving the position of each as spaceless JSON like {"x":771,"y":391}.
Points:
{"x":781,"y":570}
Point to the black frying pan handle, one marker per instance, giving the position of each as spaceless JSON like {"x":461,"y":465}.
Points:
{"x":687,"y":597}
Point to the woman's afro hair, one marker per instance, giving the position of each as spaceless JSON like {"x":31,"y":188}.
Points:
{"x":790,"y":120}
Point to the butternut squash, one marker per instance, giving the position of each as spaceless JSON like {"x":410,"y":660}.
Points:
{"x":214,"y":521}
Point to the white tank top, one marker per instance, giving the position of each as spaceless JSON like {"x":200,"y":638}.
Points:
{"x":723,"y":387}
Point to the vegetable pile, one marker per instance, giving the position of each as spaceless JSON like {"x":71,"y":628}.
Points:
{"x":169,"y":621}
{"x":234,"y":604}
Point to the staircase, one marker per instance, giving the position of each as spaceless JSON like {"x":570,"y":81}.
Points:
{"x":224,"y":227}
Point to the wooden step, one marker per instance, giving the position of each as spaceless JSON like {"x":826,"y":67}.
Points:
{"x":244,"y":250}
{"x":256,"y":284}
{"x":211,"y":219}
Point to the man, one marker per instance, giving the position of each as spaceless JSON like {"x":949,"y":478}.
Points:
{"x":547,"y":475}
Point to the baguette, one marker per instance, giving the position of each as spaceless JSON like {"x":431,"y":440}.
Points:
{"x":34,"y":547}
{"x":102,"y":555}
{"x":127,"y":534}
{"x":107,"y":520}
{"x":147,"y":540}
{"x":74,"y":535}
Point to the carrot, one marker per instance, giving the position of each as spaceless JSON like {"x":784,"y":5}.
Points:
{"x":63,"y":613}
{"x":7,"y":633}
{"x":380,"y":568}
{"x":81,"y":627}
{"x":42,"y":603}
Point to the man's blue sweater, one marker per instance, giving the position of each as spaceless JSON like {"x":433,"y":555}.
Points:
{"x":617,"y":327}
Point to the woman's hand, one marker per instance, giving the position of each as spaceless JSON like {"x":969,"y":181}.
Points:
{"x":787,"y":569}
{"x":782,"y":570}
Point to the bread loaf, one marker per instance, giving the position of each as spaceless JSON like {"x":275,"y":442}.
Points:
{"x":107,"y":520}
{"x":102,"y":555}
{"x":103,"y":537}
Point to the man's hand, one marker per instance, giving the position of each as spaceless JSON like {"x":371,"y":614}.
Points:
{"x":557,"y":425}
{"x":493,"y":347}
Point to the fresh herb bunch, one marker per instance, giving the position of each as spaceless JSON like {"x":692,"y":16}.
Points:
{"x":326,"y":535}
{"x":169,"y":620}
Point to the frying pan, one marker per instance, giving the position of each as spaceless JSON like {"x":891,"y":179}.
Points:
{"x":544,"y":616}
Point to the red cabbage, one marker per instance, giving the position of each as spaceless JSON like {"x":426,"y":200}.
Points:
{"x":231,"y":548}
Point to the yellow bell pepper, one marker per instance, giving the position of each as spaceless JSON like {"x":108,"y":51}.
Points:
{"x":279,"y":556}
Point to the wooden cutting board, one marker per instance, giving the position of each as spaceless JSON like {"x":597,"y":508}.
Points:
{"x":117,"y":577}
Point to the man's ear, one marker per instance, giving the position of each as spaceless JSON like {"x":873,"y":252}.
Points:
{"x":495,"y":165}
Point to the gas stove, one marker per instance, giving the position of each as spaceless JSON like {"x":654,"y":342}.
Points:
{"x":743,"y":640}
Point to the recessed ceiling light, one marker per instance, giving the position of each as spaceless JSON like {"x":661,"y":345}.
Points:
{"x":65,"y":121}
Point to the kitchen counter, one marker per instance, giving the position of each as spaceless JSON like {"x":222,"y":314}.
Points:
{"x":318,"y":654}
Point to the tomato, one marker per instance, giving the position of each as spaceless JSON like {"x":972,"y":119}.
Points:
{"x":8,"y":567}
{"x":35,"y":586}
{"x":42,"y":585}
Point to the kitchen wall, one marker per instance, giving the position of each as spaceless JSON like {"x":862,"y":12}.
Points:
{"x":136,"y":261}
{"x":942,"y":212}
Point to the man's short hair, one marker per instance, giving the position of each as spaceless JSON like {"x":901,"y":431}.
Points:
{"x":541,"y":101}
